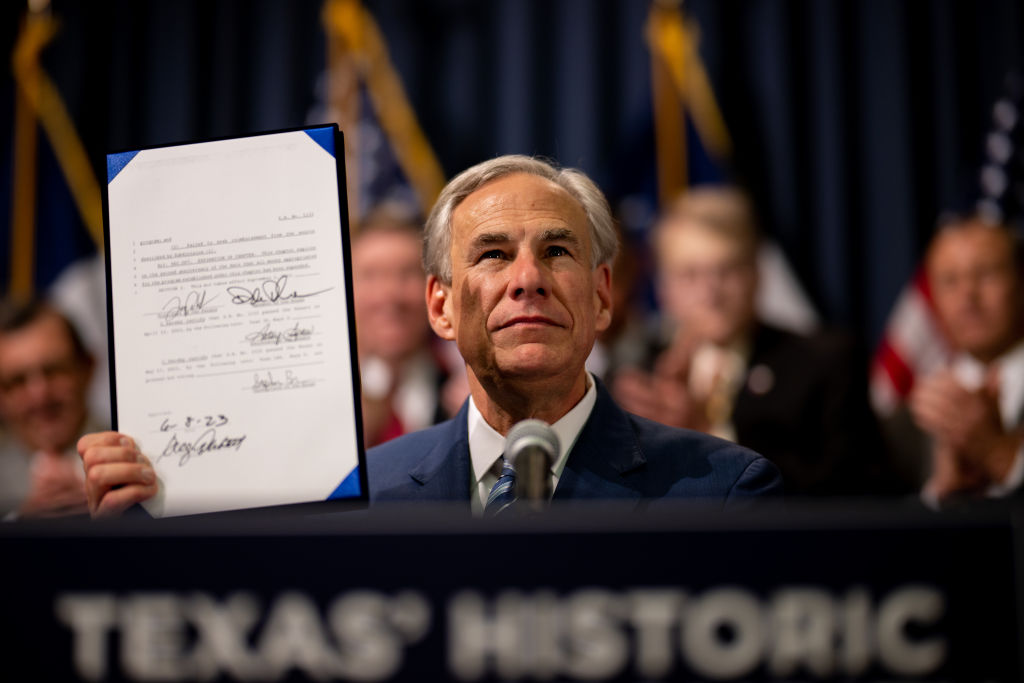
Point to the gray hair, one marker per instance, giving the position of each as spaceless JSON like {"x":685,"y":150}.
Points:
{"x":437,"y":245}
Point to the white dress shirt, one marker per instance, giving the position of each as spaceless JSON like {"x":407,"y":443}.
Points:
{"x":486,"y":446}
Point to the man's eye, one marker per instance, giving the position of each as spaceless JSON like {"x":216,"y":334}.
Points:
{"x":492,"y":254}
{"x":555,"y":250}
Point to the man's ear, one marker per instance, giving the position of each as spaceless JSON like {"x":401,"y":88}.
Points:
{"x":439,"y":308}
{"x":603,"y":297}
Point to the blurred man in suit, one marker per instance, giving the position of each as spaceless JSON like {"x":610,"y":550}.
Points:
{"x":44,"y":378}
{"x":407,"y":373}
{"x":799,"y":400}
{"x":518,"y":256}
{"x":973,"y":409}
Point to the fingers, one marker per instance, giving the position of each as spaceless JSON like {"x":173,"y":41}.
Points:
{"x":931,"y":410}
{"x":657,"y":398}
{"x":115,"y":502}
{"x":675,"y":361}
{"x":634,"y":392}
{"x":944,"y":478}
{"x":937,"y":403}
{"x":968,"y":423}
{"x":109,"y":475}
{"x":117,"y":475}
{"x":107,"y":447}
{"x":102,"y":439}
{"x":111,"y":488}
{"x":53,"y":494}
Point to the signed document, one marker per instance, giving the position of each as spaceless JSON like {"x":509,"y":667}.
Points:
{"x":232,"y":356}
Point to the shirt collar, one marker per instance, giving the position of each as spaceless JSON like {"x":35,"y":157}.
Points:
{"x":486,"y":444}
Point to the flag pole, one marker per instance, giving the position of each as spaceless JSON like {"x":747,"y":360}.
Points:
{"x":358,"y":53}
{"x":31,"y":39}
{"x":680,"y":89}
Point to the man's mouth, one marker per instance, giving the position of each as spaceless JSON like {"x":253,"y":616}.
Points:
{"x":529,"y":321}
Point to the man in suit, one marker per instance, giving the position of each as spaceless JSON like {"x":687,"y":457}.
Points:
{"x":44,"y":378}
{"x":800,"y":400}
{"x":518,"y":258}
{"x":517,"y":254}
{"x":972,"y":409}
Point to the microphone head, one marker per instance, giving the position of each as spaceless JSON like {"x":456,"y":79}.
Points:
{"x":528,"y":435}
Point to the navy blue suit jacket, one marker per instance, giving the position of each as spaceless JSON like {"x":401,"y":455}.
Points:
{"x":618,"y":456}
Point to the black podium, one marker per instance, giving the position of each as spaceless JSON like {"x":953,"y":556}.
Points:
{"x":847,"y":591}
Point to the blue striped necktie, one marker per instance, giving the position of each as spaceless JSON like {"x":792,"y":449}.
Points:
{"x":503,"y":493}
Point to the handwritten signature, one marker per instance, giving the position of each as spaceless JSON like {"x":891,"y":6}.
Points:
{"x":270,"y":292}
{"x":194,"y":302}
{"x":267,"y":382}
{"x":267,"y":336}
{"x":207,"y":442}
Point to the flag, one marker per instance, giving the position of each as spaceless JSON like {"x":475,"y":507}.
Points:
{"x":39,"y":106}
{"x":693,"y":147}
{"x":692,"y":140}
{"x":913,"y":344}
{"x":56,"y":216}
{"x":387,"y":156}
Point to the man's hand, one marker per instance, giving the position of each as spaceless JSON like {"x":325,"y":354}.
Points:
{"x":56,"y":488}
{"x":972,"y":450}
{"x":664,"y":395}
{"x":951,"y":474}
{"x":660,"y":397}
{"x":117,"y":475}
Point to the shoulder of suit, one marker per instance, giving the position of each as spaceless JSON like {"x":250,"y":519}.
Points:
{"x":412,"y":445}
{"x":694,"y":463}
{"x":658,"y":440}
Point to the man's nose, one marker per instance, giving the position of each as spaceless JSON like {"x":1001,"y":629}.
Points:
{"x":970,"y":290}
{"x":37,"y":385}
{"x":529,"y":277}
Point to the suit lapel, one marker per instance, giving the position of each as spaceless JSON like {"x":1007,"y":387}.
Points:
{"x":443,"y":474}
{"x":604,"y":455}
{"x":600,"y":465}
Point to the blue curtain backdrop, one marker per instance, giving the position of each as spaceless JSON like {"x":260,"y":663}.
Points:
{"x":855,"y":123}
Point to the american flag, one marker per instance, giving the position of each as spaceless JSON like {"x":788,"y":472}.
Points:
{"x":388,"y":158}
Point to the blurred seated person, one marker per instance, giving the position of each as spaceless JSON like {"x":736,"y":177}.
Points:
{"x":972,"y":409}
{"x":44,"y":377}
{"x":409,"y":380}
{"x":801,"y":401}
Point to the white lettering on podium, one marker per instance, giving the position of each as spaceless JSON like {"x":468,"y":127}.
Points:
{"x":174,"y":637}
{"x":91,"y":617}
{"x":726,"y":633}
{"x":590,"y":634}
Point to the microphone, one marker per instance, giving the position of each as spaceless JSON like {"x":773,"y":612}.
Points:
{"x":532,"y":447}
